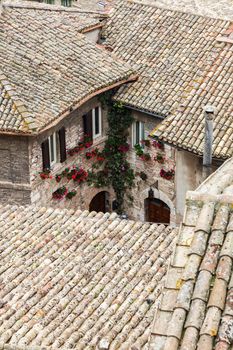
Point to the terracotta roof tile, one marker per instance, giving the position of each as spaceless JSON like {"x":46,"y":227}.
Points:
{"x":201,"y":314}
{"x":185,"y":128}
{"x":79,"y":280}
{"x":171,"y":51}
{"x":50,"y":65}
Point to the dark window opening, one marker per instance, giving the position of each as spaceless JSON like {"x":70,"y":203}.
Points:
{"x":157,"y":211}
{"x":100,"y":203}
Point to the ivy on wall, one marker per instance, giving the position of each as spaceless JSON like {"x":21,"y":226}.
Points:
{"x":116,"y":170}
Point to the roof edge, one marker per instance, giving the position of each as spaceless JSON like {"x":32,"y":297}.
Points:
{"x":28,"y":121}
{"x":76,"y":105}
{"x":167,"y":8}
{"x":91,"y":28}
{"x":179,"y":147}
{"x":48,"y":7}
{"x":66,"y":112}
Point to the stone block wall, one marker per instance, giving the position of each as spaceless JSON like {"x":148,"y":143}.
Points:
{"x":21,"y":163}
{"x":14,"y":170}
{"x":163,"y":189}
{"x":42,"y":189}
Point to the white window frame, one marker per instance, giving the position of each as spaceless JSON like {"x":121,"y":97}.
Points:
{"x":54,"y":136}
{"x":94,"y":134}
{"x":141,"y":133}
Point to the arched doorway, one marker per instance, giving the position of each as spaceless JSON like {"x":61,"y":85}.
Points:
{"x":100,"y":202}
{"x":157,"y":211}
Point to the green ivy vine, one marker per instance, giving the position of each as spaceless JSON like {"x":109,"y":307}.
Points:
{"x":115,"y":170}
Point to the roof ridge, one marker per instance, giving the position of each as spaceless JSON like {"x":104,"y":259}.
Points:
{"x":84,"y":214}
{"x":28,"y":122}
{"x":160,"y":6}
{"x":46,"y":7}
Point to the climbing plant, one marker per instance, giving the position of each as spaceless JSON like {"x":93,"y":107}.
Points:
{"x":115,"y":169}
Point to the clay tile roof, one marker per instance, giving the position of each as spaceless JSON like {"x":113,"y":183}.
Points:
{"x":196,"y":311}
{"x":185,"y":127}
{"x":171,"y":51}
{"x":79,"y":280}
{"x":50,"y":65}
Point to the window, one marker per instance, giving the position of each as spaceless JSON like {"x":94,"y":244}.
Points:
{"x":50,"y":149}
{"x":138,"y":133}
{"x":96,"y":122}
{"x":66,"y":3}
{"x":51,"y":2}
{"x":92,"y":123}
{"x":53,"y":149}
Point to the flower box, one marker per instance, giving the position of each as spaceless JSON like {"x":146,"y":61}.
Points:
{"x":146,"y":143}
{"x":145,"y":157}
{"x":168,"y":175}
{"x":71,"y":194}
{"x":45,"y":174}
{"x":159,"y":158}
{"x":60,"y":193}
{"x":158,"y":144}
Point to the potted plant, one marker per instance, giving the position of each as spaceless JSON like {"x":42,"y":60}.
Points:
{"x":146,"y":142}
{"x":71,"y":194}
{"x":139,"y":150}
{"x":167,"y":174}
{"x":45,"y":174}
{"x":145,"y":157}
{"x":159,"y":158}
{"x":60,"y":193}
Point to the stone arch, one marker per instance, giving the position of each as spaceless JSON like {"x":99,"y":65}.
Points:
{"x":100,"y":202}
{"x":158,"y":194}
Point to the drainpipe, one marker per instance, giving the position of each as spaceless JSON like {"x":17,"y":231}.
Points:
{"x":208,"y":142}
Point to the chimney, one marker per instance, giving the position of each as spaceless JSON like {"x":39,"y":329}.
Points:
{"x":208,"y":142}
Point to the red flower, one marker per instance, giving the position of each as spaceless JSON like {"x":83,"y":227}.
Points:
{"x":88,"y":144}
{"x":123,"y":148}
{"x":60,"y":193}
{"x":158,"y":144}
{"x":146,"y":157}
{"x":45,"y":174}
{"x":58,"y":178}
{"x":168,"y":175}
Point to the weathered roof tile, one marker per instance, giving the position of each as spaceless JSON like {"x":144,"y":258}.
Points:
{"x":202,"y":316}
{"x":49,"y":66}
{"x":79,"y":280}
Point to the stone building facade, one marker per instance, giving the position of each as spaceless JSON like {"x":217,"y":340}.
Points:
{"x":41,"y":190}
{"x":14,"y":170}
{"x":21,"y":157}
{"x":43,"y":99}
{"x":163,"y":189}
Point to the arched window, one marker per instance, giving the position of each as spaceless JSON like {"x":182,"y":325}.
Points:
{"x":157,"y":211}
{"x":100,"y":202}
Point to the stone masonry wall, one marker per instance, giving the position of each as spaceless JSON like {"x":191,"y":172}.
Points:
{"x":166,"y":188}
{"x":14,"y":170}
{"x":42,"y":189}
{"x":18,"y":185}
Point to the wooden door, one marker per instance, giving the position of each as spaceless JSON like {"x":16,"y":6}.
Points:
{"x":157,"y":211}
{"x":100,"y":202}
